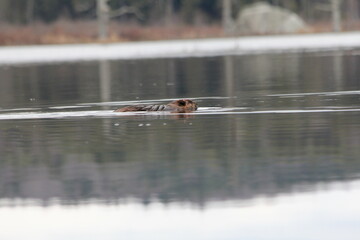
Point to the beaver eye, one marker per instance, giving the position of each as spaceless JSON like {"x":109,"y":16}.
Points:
{"x":181,"y":103}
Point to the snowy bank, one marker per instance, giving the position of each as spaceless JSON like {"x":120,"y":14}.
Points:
{"x":179,"y":48}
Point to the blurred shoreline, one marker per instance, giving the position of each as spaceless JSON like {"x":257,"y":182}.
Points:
{"x":67,"y":32}
{"x":80,"y":32}
{"x":179,"y":48}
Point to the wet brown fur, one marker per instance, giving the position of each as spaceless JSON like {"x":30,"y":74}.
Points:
{"x":178,"y":106}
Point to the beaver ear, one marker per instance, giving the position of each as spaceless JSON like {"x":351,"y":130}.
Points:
{"x":181,"y":102}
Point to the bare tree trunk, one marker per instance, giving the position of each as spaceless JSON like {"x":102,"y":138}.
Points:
{"x":103,"y":19}
{"x":29,"y":11}
{"x":353,"y":10}
{"x":3,"y":7}
{"x":169,"y":12}
{"x":226,"y":16}
{"x":336,"y":16}
{"x":305,"y":10}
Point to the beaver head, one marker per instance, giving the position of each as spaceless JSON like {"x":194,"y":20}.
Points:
{"x":183,"y":106}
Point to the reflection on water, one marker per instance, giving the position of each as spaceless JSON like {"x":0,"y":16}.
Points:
{"x":160,"y":158}
{"x":301,"y":217}
{"x":245,"y":77}
{"x":268,"y":126}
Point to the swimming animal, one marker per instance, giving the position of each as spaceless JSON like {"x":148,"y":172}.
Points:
{"x":178,"y":106}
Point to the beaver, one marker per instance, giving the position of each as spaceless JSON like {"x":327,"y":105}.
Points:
{"x":178,"y":106}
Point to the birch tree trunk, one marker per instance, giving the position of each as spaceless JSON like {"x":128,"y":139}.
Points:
{"x":336,"y":16}
{"x":226,"y":16}
{"x":102,"y":18}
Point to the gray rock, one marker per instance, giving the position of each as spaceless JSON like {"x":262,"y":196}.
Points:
{"x":263,"y":18}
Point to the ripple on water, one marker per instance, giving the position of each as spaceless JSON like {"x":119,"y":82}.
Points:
{"x":202,"y":111}
{"x":74,"y":111}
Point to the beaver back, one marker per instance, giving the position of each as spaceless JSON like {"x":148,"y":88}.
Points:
{"x":178,"y":106}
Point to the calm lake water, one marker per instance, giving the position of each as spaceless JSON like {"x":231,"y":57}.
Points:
{"x":272,"y":153}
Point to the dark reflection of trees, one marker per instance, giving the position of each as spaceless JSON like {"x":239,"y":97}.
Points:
{"x":246,"y":156}
{"x":36,"y":85}
{"x":255,"y":75}
{"x":217,"y":157}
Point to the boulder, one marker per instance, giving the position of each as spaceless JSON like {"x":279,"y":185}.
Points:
{"x":263,"y":18}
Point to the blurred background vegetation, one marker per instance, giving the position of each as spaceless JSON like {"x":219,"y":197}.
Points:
{"x":67,"y":21}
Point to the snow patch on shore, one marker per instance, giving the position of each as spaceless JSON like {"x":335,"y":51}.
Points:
{"x":179,"y":48}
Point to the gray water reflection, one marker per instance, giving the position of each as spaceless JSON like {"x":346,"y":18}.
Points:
{"x":162,"y":159}
{"x":198,"y":159}
{"x":240,"y":76}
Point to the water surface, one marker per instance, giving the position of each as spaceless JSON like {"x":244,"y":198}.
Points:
{"x":272,"y":153}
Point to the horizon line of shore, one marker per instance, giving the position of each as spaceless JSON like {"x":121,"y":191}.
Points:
{"x":179,"y":48}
